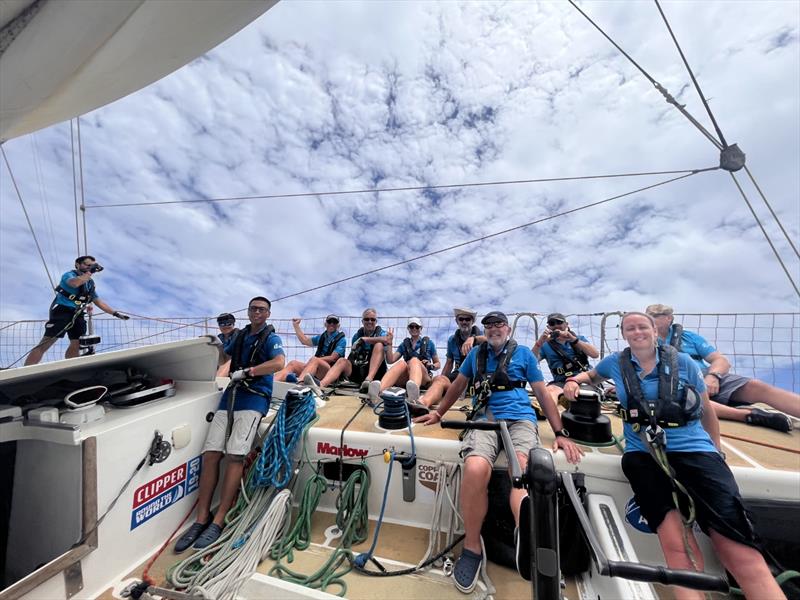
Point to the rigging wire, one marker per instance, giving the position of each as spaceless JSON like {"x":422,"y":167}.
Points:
{"x":764,"y":231}
{"x":435,"y":252}
{"x":27,"y":218}
{"x":395,"y":189}
{"x":774,"y":216}
{"x":691,"y":74}
{"x":74,"y":187}
{"x":667,"y":96}
{"x":83,"y":199}
{"x":44,"y":201}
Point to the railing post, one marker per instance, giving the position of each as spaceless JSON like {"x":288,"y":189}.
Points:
{"x":603,"y":330}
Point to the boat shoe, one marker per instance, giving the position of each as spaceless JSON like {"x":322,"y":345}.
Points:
{"x":522,"y":540}
{"x":188,"y":538}
{"x":467,"y":570}
{"x":765,"y":418}
{"x":209,"y":536}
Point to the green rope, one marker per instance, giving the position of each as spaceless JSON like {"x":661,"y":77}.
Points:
{"x":300,"y":534}
{"x":352,"y":519}
{"x":615,"y":441}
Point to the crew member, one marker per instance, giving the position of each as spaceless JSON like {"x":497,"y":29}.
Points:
{"x":498,"y":363}
{"x":227,"y":329}
{"x":731,"y":394}
{"x":459,"y":344}
{"x":74,"y":294}
{"x":685,"y":440}
{"x":415,"y":370}
{"x":566,"y":352}
{"x":330,"y":345}
{"x":365,"y":362}
{"x":256,"y":355}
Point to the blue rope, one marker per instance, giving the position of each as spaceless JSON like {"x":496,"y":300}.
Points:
{"x":274,"y":466}
{"x":361,"y":559}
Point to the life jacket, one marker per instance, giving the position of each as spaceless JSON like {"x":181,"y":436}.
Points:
{"x":84,"y":294}
{"x":570,"y":365}
{"x":459,"y":339}
{"x":240,"y":362}
{"x":330,"y":346}
{"x":499,"y":380}
{"x":359,"y":353}
{"x":677,"y":404}
{"x":676,"y":340}
{"x":408,"y":351}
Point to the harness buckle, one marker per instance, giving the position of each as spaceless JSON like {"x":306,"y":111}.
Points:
{"x":655,"y":436}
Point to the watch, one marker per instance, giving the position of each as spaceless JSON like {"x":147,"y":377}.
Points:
{"x":715,"y":374}
{"x":562,"y":433}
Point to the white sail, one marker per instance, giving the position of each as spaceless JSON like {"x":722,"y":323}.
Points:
{"x":63,"y":58}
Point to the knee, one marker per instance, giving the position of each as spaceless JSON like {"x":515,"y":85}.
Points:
{"x":477,"y":470}
{"x":377,"y":348}
{"x":211,"y":457}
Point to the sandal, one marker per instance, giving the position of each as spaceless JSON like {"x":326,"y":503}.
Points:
{"x":467,"y":570}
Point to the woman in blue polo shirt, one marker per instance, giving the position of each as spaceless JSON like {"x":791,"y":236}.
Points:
{"x":693,"y":453}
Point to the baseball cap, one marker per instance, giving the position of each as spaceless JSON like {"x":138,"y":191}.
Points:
{"x":559,"y":316}
{"x":331,"y":318}
{"x":494,"y":317}
{"x":415,"y":321}
{"x":226,"y":319}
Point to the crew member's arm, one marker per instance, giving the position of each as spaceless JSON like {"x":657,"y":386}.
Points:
{"x":436,"y":363}
{"x":571,"y":450}
{"x":471,"y":342}
{"x":717,"y":363}
{"x":710,"y":421}
{"x":391,"y":356}
{"x":583,"y":345}
{"x":337,"y":353}
{"x":78,"y":281}
{"x":107,"y":309}
{"x":453,"y":393}
{"x":448,"y":367}
{"x":273,"y":365}
{"x":304,"y":339}
{"x":537,"y":347}
{"x":573,"y":384}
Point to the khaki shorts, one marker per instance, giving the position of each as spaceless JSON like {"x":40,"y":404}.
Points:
{"x":245,"y":428}
{"x":524,"y":437}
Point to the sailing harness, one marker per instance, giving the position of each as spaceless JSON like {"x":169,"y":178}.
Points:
{"x":499,"y":381}
{"x":676,"y":341}
{"x":326,"y":349}
{"x":360,"y":354}
{"x":423,"y":354}
{"x":84,"y":294}
{"x":677,"y":404}
{"x":238,"y":363}
{"x":570,"y":365}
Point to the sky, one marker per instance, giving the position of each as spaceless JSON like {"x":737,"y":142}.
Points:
{"x":316,"y":97}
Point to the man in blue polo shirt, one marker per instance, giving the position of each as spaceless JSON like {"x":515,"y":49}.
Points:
{"x":74,"y":294}
{"x":566,"y":352}
{"x":330,"y":347}
{"x":480,"y":448}
{"x":256,"y":354}
{"x":731,"y":394}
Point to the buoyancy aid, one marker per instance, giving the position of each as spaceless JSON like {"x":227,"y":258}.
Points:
{"x":84,"y":294}
{"x":326,"y":349}
{"x":408,"y":351}
{"x":676,"y":340}
{"x":677,"y":403}
{"x":571,"y":365}
{"x":460,"y":339}
{"x":359,"y":353}
{"x":240,"y":362}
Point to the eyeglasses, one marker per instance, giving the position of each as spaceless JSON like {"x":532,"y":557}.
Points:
{"x":332,"y":322}
{"x":464,"y":319}
{"x":368,"y":320}
{"x":495,"y":324}
{"x":415,"y":326}
{"x":552,"y":322}
{"x":257,"y":309}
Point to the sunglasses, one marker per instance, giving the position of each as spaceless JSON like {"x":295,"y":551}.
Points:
{"x":464,"y":319}
{"x":415,"y":326}
{"x":494,"y":324}
{"x":332,"y":322}
{"x":552,"y":322}
{"x":368,"y":320}
{"x":226,"y":323}
{"x":257,"y":309}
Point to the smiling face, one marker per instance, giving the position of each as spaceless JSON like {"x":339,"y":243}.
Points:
{"x":497,"y":333}
{"x":258,"y":312}
{"x":465,"y":323}
{"x":331,"y":325}
{"x":639,"y":331}
{"x":370,"y":321}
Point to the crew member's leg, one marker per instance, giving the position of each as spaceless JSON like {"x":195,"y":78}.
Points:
{"x":74,"y":333}
{"x":375,"y":361}
{"x":556,"y":389}
{"x":35,"y":355}
{"x":294,"y":366}
{"x":436,"y":391}
{"x":758,"y":391}
{"x":73,"y":350}
{"x":748,"y":567}
{"x":474,"y":499}
{"x":342,"y":368}
{"x":317,"y":367}
{"x":396,"y":375}
{"x":670,"y":536}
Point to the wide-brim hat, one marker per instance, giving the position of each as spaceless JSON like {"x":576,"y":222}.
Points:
{"x":457,"y":312}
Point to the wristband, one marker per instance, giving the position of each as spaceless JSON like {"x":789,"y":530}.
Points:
{"x":573,"y":380}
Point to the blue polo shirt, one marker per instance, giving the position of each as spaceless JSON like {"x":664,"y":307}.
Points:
{"x":377,"y":333}
{"x":692,"y":437}
{"x":454,"y":350}
{"x":340,"y":348}
{"x":514,"y":404}
{"x":415,"y":352}
{"x":246,"y":400}
{"x":554,"y":361}
{"x":693,"y":344}
{"x":63,"y":300}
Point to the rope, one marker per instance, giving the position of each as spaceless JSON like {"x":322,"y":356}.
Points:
{"x":146,"y":573}
{"x":393,"y":189}
{"x":774,"y":216}
{"x":27,"y":218}
{"x":299,"y":536}
{"x":74,"y":187}
{"x":766,"y":235}
{"x":667,"y":96}
{"x":691,"y":74}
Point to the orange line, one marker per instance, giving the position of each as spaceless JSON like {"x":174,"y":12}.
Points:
{"x":759,"y":443}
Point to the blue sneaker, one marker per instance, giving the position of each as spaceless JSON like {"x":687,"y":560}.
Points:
{"x":210,"y":535}
{"x":291,"y":378}
{"x":188,"y":538}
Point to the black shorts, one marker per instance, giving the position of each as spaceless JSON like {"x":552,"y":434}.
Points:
{"x":59,"y":323}
{"x":710,"y":482}
{"x":359,"y":372}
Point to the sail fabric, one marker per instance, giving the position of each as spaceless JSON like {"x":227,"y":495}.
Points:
{"x":63,"y":58}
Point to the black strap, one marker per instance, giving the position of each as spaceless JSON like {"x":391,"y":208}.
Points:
{"x":331,"y":343}
{"x":580,"y":356}
{"x":238,"y":345}
{"x":676,"y":339}
{"x":459,"y":339}
{"x":668,"y":377}
{"x":409,"y":352}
